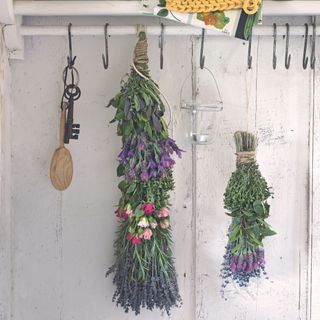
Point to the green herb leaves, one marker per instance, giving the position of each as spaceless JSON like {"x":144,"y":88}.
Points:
{"x":246,"y":201}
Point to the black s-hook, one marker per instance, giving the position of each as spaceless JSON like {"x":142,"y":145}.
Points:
{"x":274,"y":57}
{"x":105,"y":58}
{"x":70,"y":58}
{"x":313,"y":45}
{"x":306,"y":36}
{"x":161,"y":42}
{"x":202,"y":57}
{"x":249,"y":60}
{"x":287,"y":59}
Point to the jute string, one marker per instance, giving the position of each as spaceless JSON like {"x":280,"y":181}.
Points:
{"x":244,"y":157}
{"x":140,"y":59}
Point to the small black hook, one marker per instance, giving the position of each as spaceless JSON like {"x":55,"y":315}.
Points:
{"x":202,"y":57}
{"x":161,"y":42}
{"x":70,"y":58}
{"x":274,"y":58}
{"x":287,"y":59}
{"x":306,"y":36}
{"x":249,"y":53}
{"x":313,"y":45}
{"x":105,"y":58}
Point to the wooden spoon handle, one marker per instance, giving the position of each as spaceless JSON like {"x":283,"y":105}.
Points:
{"x":62,"y":123}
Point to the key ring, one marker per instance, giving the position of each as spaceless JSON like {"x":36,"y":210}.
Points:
{"x":73,"y":76}
{"x":72,"y":91}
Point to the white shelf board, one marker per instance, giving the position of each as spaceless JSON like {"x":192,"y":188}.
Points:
{"x":132,"y":8}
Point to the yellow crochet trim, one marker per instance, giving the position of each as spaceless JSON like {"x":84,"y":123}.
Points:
{"x":200,"y":6}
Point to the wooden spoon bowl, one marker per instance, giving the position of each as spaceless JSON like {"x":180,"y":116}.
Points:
{"x":61,"y":169}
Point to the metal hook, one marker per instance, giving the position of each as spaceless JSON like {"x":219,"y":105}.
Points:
{"x":249,"y":53}
{"x":306,"y":36}
{"x":161,"y":42}
{"x":70,"y":58}
{"x":105,"y":58}
{"x":287,"y":59}
{"x":274,"y":59}
{"x":313,"y":45}
{"x":202,"y":57}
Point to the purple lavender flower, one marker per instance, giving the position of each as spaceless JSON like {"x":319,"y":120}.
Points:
{"x":167,"y":162}
{"x":144,"y":176}
{"x":152,"y":164}
{"x":242,"y":266}
{"x":130,"y":154}
{"x":170,"y":146}
{"x":131,"y":173}
{"x":141,"y":144}
{"x":124,"y":153}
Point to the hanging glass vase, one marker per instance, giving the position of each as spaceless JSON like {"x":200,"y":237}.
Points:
{"x":200,"y":97}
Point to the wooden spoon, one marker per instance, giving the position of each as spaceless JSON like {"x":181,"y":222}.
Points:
{"x":61,"y":169}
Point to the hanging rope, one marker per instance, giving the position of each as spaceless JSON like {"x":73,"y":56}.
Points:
{"x":140,"y":59}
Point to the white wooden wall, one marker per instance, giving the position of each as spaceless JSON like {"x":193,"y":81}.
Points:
{"x":5,"y":187}
{"x":62,"y":242}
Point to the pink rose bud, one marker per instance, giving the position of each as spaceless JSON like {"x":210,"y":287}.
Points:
{"x":147,"y":234}
{"x":148,"y":208}
{"x":143,"y":223}
{"x":129,"y":210}
{"x":121,"y":214}
{"x":153,"y":225}
{"x":118,"y":213}
{"x":129,"y":236}
{"x":136,"y":240}
{"x":164,"y":224}
{"x":163,"y":213}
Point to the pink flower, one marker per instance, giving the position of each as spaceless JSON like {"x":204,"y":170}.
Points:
{"x":147,"y":234}
{"x":163,"y":213}
{"x":129,"y":236}
{"x":165,"y":224}
{"x":153,"y":225}
{"x":148,"y":208}
{"x":121,"y":214}
{"x":143,"y":223}
{"x":136,"y":240}
{"x":128,"y":210}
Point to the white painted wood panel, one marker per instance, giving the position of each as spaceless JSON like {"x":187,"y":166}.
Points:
{"x":279,"y":113}
{"x":314,"y":217}
{"x":5,"y":186}
{"x":62,"y":243}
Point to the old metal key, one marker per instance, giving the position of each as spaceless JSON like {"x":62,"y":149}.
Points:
{"x":72,"y":93}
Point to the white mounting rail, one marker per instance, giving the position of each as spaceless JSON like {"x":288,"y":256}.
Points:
{"x":132,"y":8}
{"x":150,"y":30}
{"x":12,"y":12}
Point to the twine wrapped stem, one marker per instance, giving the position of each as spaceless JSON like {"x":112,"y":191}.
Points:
{"x":246,"y":144}
{"x":140,"y":58}
{"x":244,"y":157}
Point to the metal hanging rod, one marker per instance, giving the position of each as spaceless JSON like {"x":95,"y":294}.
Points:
{"x":151,"y":30}
{"x":133,"y":8}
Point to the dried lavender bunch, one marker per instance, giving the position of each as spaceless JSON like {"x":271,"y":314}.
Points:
{"x":144,"y":273}
{"x":246,"y":201}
